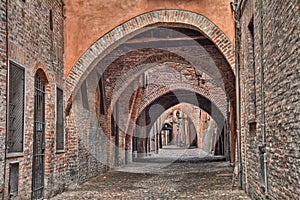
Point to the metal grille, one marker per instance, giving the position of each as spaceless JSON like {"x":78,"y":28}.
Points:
{"x":84,"y":96}
{"x":16,"y":108}
{"x":13,"y":180}
{"x":38,"y":140}
{"x":59,"y":120}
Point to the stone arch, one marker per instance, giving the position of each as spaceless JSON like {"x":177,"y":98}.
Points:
{"x":191,"y":135}
{"x":165,"y":102}
{"x":116,"y":36}
{"x":138,"y":68}
{"x":185,"y":110}
{"x":146,"y":63}
{"x":183,"y":86}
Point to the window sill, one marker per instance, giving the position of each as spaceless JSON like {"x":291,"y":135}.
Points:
{"x":60,"y":151}
{"x":14,"y":155}
{"x":251,"y":121}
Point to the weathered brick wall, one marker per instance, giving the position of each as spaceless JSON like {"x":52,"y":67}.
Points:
{"x":3,"y":79}
{"x":33,"y":45}
{"x":171,"y":76}
{"x":281,"y":92}
{"x":250,"y":140}
{"x":282,"y":83}
{"x":89,"y":132}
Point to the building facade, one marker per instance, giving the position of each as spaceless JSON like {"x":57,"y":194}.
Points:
{"x":32,"y":98}
{"x":83,"y":83}
{"x":269,"y":85}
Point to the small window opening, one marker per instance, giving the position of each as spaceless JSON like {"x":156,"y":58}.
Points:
{"x":51,"y":20}
{"x":252,"y":128}
{"x":13,"y":180}
{"x":102,"y":96}
{"x":59,"y":119}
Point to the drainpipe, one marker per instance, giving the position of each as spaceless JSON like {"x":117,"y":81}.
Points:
{"x":262,"y":146}
{"x":5,"y":151}
{"x":234,"y":7}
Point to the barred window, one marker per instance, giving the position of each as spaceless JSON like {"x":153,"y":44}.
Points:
{"x":16,"y":98}
{"x":59,"y":119}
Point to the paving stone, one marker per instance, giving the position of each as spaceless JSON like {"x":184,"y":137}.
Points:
{"x":183,"y":180}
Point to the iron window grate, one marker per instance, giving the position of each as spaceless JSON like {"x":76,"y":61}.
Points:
{"x":59,"y":119}
{"x":16,"y":108}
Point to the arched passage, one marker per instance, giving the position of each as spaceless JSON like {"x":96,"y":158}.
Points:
{"x":166,"y":101}
{"x":127,"y":60}
{"x":148,"y":116}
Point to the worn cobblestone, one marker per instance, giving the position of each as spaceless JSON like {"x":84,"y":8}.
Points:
{"x":162,"y":180}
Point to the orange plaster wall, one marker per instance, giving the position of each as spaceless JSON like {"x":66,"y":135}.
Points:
{"x":88,"y":20}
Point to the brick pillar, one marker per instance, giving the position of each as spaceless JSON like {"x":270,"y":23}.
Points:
{"x":141,"y":135}
{"x":128,"y":149}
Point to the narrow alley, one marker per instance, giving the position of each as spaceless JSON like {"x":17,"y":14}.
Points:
{"x":174,"y":173}
{"x":149,"y":99}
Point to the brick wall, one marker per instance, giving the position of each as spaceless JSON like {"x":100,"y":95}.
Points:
{"x":3,"y":69}
{"x":280,"y":59}
{"x":34,"y":45}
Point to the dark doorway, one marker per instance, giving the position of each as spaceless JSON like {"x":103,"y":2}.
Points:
{"x":168,"y":127}
{"x":193,"y":134}
{"x":219,"y":148}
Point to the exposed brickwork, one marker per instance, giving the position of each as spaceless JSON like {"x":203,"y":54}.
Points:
{"x":280,"y":59}
{"x":163,"y":79}
{"x":121,"y":72}
{"x":33,"y":45}
{"x":3,"y":83}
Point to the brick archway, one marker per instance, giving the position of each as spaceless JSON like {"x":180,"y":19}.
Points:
{"x":147,"y":62}
{"x":116,"y":36}
{"x":216,"y":100}
{"x":165,"y":103}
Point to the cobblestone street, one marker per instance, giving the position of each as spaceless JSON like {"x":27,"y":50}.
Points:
{"x":194,"y":175}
